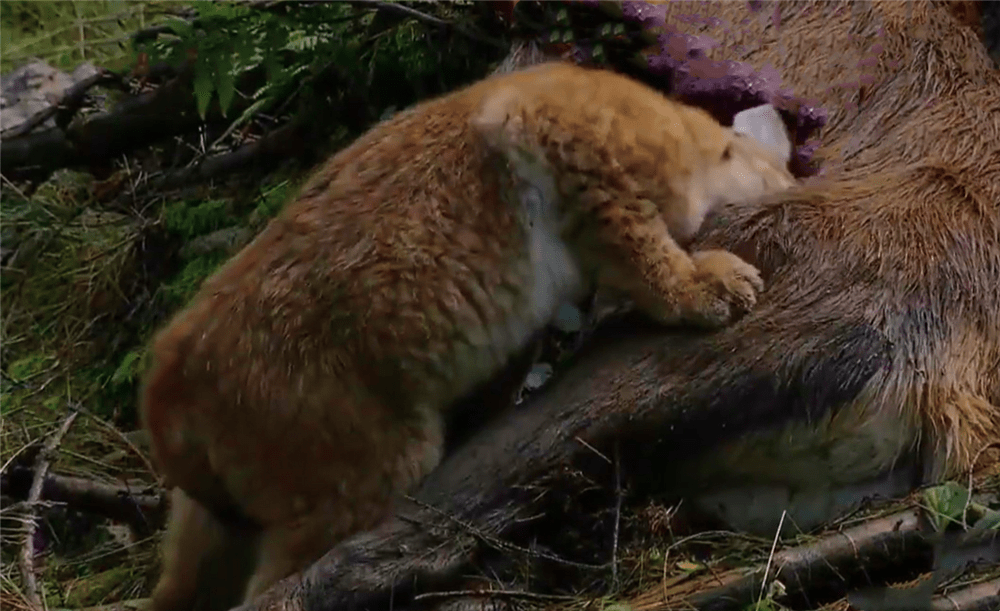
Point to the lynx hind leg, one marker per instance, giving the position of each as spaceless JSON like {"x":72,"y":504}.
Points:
{"x":408,"y":452}
{"x":709,"y":289}
{"x":206,"y":564}
{"x":288,"y":548}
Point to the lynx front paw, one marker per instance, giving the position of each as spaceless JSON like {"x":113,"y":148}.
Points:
{"x":729,"y":287}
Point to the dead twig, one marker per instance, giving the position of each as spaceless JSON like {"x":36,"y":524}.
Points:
{"x":142,"y":509}
{"x":27,"y":560}
{"x":618,"y":519}
{"x":121,"y":436}
{"x":402,"y":9}
{"x":770,"y":557}
{"x":492,"y":593}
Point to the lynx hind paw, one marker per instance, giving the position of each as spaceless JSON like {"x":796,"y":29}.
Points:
{"x":730,"y":286}
{"x":497,"y":119}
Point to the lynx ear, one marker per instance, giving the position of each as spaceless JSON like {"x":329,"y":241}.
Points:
{"x":495,"y":118}
{"x":764,"y":124}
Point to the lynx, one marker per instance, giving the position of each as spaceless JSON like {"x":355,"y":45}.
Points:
{"x":305,"y":386}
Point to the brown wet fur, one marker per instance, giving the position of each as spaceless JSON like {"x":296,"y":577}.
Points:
{"x":909,"y":206}
{"x":303,"y":389}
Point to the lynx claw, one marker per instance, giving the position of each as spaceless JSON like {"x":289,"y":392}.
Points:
{"x":731,"y":285}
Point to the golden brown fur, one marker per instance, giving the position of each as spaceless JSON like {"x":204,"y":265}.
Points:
{"x":303,"y":388}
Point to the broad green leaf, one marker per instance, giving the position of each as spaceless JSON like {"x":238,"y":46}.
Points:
{"x":226,"y":79}
{"x":946,"y":503}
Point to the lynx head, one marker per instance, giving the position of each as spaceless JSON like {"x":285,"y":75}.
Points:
{"x":755,"y":160}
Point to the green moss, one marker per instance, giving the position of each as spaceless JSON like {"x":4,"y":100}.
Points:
{"x":182,"y":287}
{"x":53,"y":403}
{"x":272,"y":199}
{"x":191,"y":220}
{"x":29,"y":366}
{"x":94,"y":589}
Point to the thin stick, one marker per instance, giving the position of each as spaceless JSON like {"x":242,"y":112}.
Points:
{"x":421,"y":16}
{"x":618,"y":519}
{"x":972,"y":471}
{"x":124,"y":439}
{"x":770,"y":557}
{"x":497,"y":593}
{"x":27,"y":563}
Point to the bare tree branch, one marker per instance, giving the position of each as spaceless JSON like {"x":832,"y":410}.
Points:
{"x":142,"y":509}
{"x":402,"y":9}
{"x":27,"y":560}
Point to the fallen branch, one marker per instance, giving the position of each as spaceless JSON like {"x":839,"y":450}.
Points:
{"x":26,"y":562}
{"x":954,"y":553}
{"x":136,"y":122}
{"x":65,"y":108}
{"x":137,"y":604}
{"x":142,"y":510}
{"x":979,"y":597}
{"x":263,"y":154}
{"x":835,"y":561}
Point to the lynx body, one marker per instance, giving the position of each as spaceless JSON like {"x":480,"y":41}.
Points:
{"x":304,"y":387}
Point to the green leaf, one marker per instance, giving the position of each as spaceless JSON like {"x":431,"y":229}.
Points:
{"x":245,"y":50}
{"x":204,"y":84}
{"x":275,"y":39}
{"x":226,"y":80}
{"x":989,"y":521}
{"x":126,"y":370}
{"x":251,"y":111}
{"x":182,"y":28}
{"x":946,"y":503}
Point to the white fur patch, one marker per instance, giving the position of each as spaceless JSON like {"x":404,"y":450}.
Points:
{"x":553,"y":276}
{"x":555,"y":273}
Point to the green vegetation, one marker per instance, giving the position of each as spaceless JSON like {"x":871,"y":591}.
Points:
{"x":66,"y":33}
{"x":88,"y":278}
